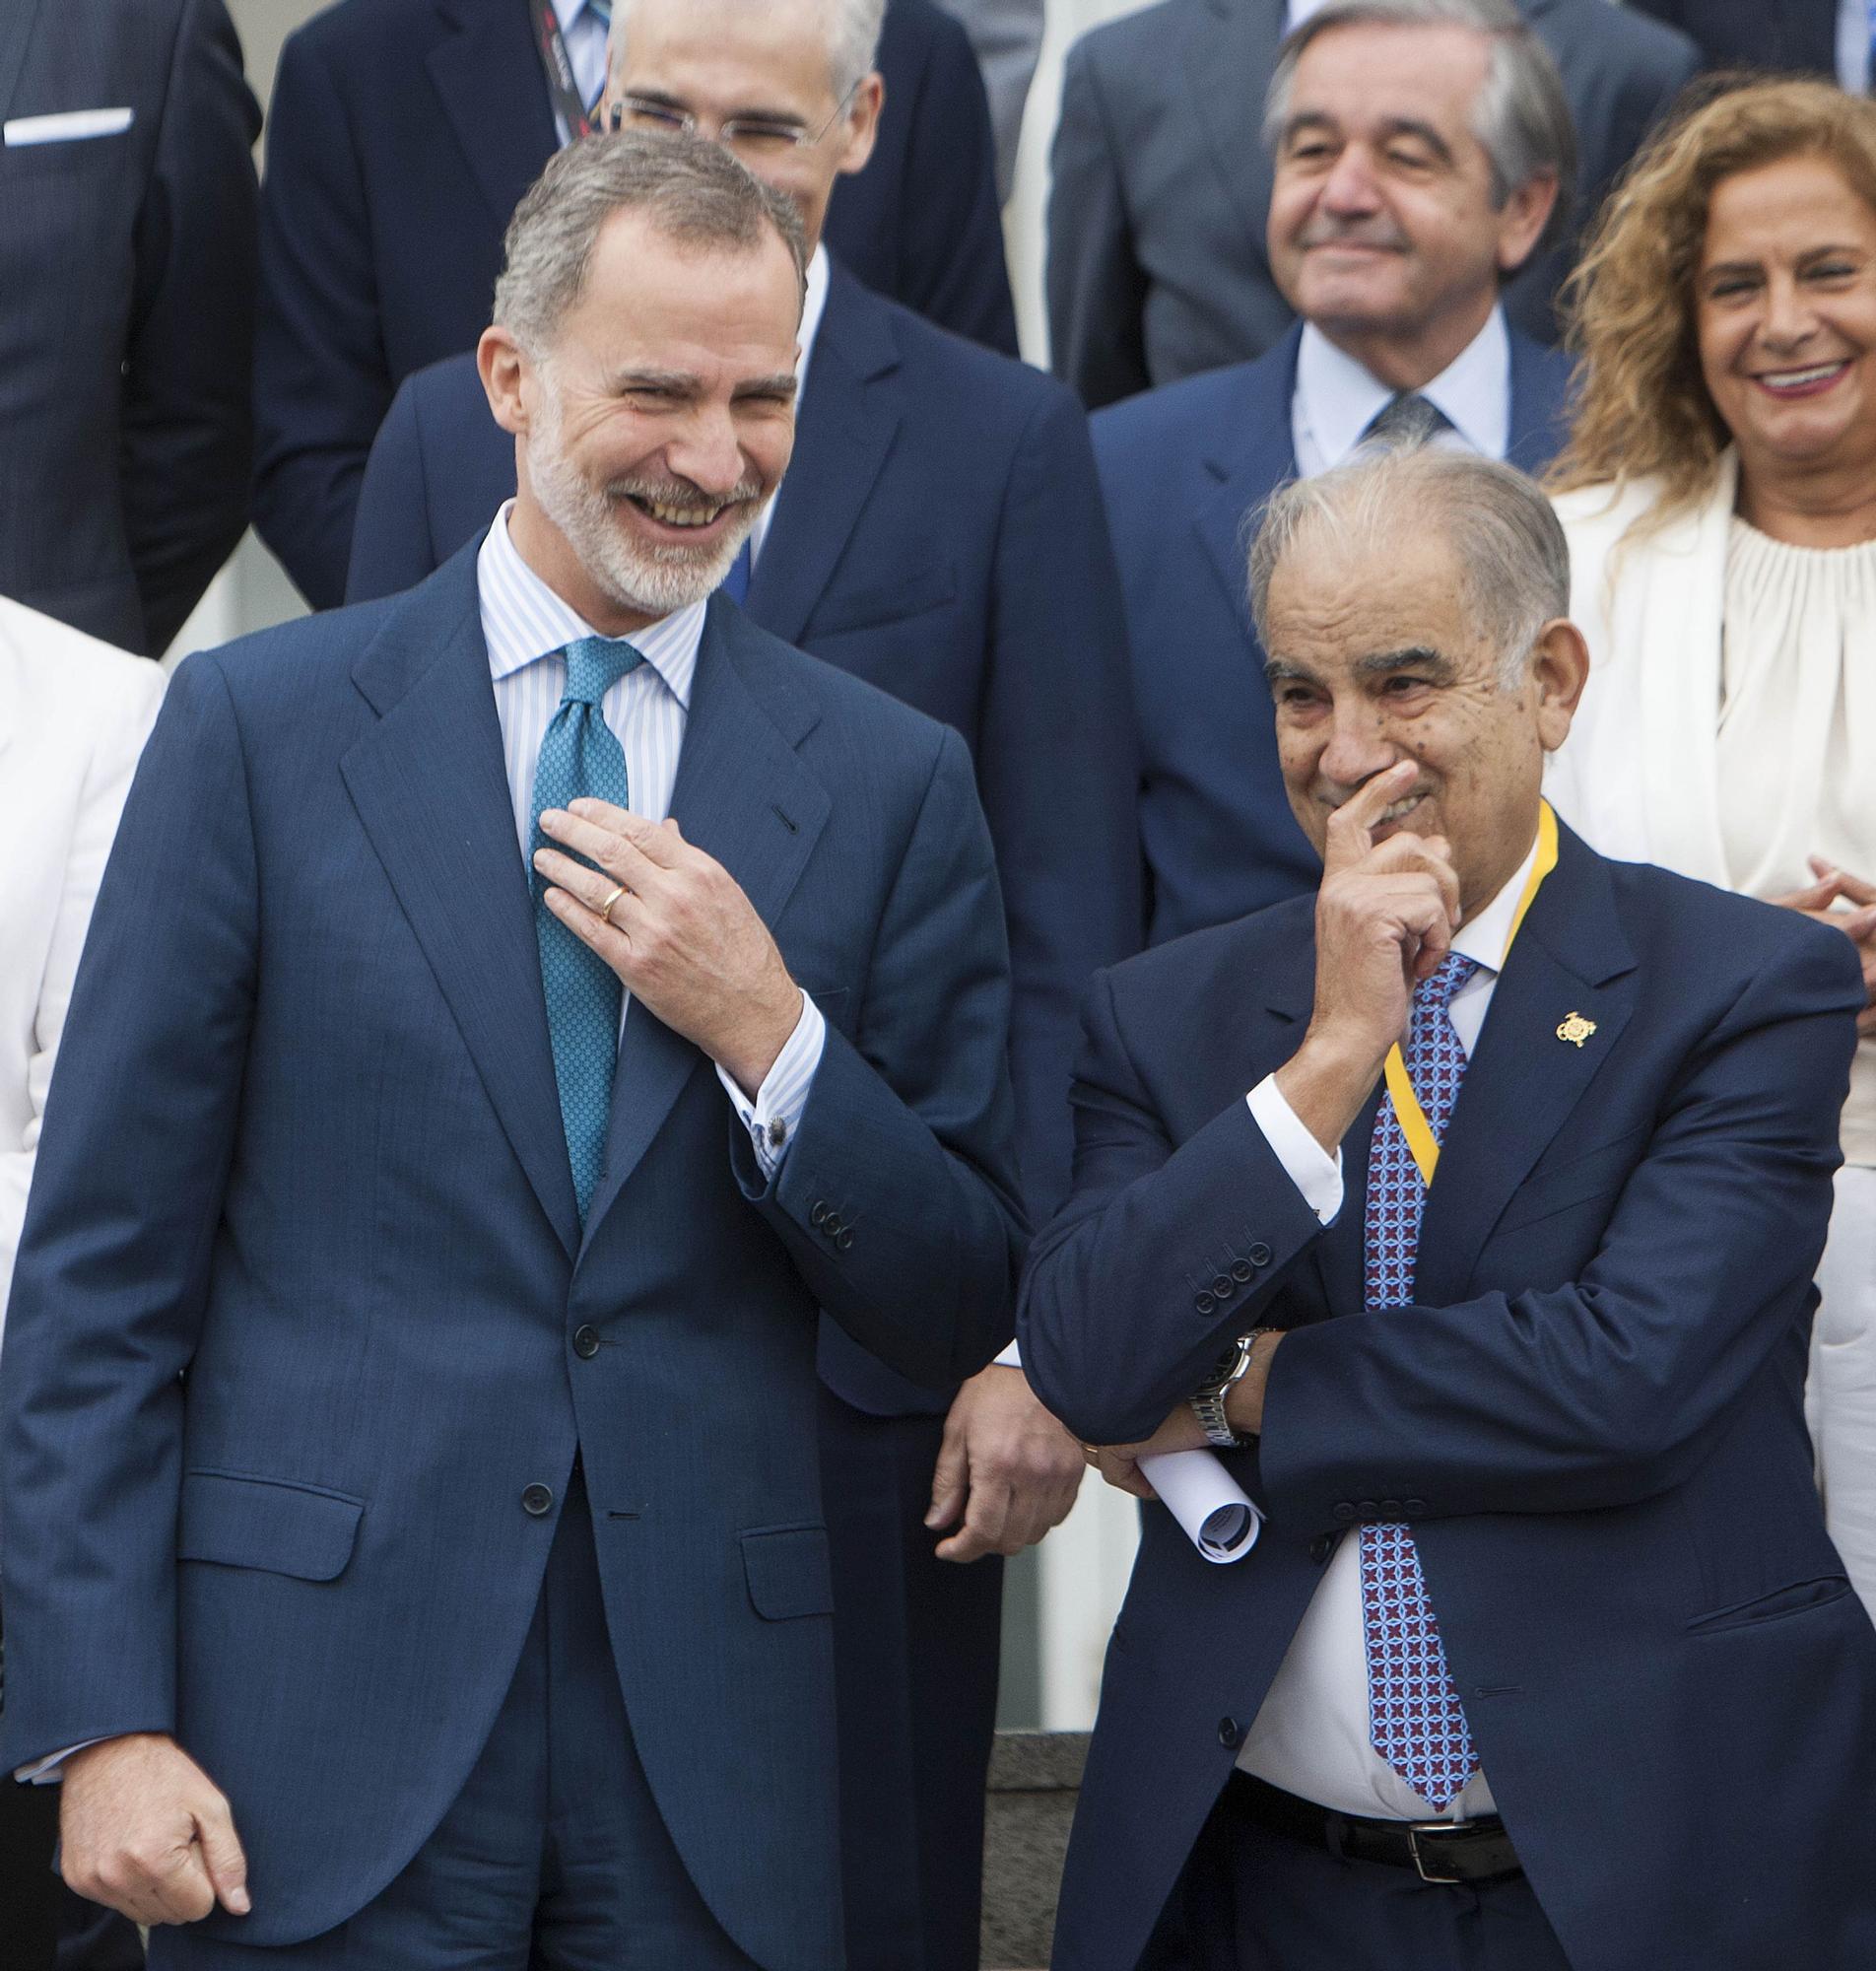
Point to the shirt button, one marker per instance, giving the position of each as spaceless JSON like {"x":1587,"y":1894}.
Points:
{"x":1259,"y":1255}
{"x":537,"y":1500}
{"x":1229,"y":1732}
{"x":585,"y":1342}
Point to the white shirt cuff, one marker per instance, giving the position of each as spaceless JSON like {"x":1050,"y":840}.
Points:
{"x":48,"y":1772}
{"x":773,"y":1117}
{"x":1011,"y":1358}
{"x":1309,"y":1167}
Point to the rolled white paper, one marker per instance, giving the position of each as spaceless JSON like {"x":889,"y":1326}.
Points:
{"x":1214,"y":1510}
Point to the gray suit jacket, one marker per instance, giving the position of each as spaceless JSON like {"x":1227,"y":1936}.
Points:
{"x":1007,"y":35}
{"x":126,"y":310}
{"x":1157,"y":266}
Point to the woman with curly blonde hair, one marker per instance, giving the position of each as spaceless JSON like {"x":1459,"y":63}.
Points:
{"x":1719,"y":499}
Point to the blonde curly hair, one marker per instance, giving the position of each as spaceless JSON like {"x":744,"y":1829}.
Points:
{"x":1643,"y":405}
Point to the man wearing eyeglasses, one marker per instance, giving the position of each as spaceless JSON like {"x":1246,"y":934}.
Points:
{"x":940,"y":534}
{"x":400,"y":136}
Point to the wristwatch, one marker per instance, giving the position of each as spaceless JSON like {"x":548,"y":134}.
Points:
{"x":1207,"y":1405}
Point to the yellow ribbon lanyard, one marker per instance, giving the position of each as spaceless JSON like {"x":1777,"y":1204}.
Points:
{"x":1414,"y":1126}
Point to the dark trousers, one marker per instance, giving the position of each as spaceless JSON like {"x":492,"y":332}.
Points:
{"x":1254,"y":1900}
{"x":915,"y":1644}
{"x":554,"y":1856}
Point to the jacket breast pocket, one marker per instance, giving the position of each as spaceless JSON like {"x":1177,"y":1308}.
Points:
{"x":1799,"y":1597}
{"x":788,"y":1571}
{"x":269,"y":1523}
{"x":1598,"y":1173}
{"x":874,"y":607}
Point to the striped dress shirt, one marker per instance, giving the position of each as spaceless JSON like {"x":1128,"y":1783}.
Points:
{"x":527,"y":628}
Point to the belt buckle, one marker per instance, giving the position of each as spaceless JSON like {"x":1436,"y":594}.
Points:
{"x":1415,"y":1830}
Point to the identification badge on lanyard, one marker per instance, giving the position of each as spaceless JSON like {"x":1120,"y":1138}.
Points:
{"x":1421,"y":1140}
{"x":550,"y":43}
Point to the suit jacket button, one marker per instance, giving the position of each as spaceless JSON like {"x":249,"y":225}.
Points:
{"x":1343,"y":1510}
{"x":1415,"y":1507}
{"x":1223,"y":1287}
{"x":585,"y":1342}
{"x":537,"y":1500}
{"x":1259,"y":1255}
{"x":816,"y":1214}
{"x":1242,"y":1271}
{"x":832,"y":1225}
{"x":1391,"y":1508}
{"x":845,"y":1240}
{"x":1204,"y":1303}
{"x":1229,"y":1732}
{"x":1367,"y":1509}
{"x":1321,"y":1547}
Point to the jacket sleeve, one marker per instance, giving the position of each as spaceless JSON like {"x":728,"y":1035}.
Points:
{"x":1116,"y":1321}
{"x":188,"y":435}
{"x":1610,"y":1387}
{"x":1096,"y":286}
{"x":110,"y":1282}
{"x":1058,"y":770}
{"x":898,"y":1198}
{"x":392,"y":548}
{"x":322,"y":381}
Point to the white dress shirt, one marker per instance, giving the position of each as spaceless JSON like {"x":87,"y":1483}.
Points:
{"x":584,"y":33}
{"x":1311,"y":1735}
{"x":527,"y":626}
{"x":1336,"y":398}
{"x":813,"y":309}
{"x":1854,"y":26}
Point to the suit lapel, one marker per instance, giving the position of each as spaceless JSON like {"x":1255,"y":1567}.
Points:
{"x":848,"y":425}
{"x":432,"y":791}
{"x":1523,"y":1081}
{"x":1540,"y":403}
{"x":1254,"y":454}
{"x":493,"y":94}
{"x":743,"y":795}
{"x":16,"y":31}
{"x":1230,"y":44}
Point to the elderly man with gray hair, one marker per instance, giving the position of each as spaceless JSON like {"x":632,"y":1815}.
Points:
{"x":514,"y":1011}
{"x":1468,"y":1209}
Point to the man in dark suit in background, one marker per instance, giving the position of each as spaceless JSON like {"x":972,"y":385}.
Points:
{"x":1474,"y":1204}
{"x":940,"y":535}
{"x":1157,"y":267}
{"x":1812,"y":36}
{"x":1389,"y":236}
{"x":128,"y":220}
{"x":401,"y":134}
{"x":414,"y":1496}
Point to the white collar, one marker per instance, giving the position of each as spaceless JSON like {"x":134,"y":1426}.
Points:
{"x":524,"y":619}
{"x":1339,"y":398}
{"x":812,"y":309}
{"x":1484,"y":935}
{"x":569,"y":12}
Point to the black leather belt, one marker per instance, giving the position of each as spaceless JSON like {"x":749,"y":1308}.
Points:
{"x":1438,"y":1851}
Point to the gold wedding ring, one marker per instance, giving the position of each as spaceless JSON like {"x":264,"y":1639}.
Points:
{"x":605,"y":908}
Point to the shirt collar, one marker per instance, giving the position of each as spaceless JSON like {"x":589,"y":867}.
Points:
{"x":812,"y":309}
{"x":524,"y":619}
{"x":1339,"y":398}
{"x":569,"y":12}
{"x":1482,"y":936}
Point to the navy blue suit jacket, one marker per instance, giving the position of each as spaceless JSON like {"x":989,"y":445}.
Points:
{"x":1183,"y":469}
{"x":400,"y":138}
{"x":126,"y":312}
{"x":939,"y":534}
{"x":1592,"y":1414}
{"x":1747,"y":34}
{"x":268,"y":1419}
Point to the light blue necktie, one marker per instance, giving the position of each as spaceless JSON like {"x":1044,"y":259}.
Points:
{"x":580,"y":757}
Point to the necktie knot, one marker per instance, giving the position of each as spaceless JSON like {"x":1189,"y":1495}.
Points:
{"x":1407,"y":418}
{"x":594,"y":664}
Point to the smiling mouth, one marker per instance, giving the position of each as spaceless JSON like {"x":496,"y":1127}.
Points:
{"x":684,"y":519}
{"x":1807,"y":382}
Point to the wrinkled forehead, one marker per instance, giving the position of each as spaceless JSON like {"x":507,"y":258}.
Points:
{"x":1343,"y":599}
{"x":1369,"y":77}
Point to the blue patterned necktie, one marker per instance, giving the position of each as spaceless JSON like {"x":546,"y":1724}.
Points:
{"x":580,"y":757}
{"x":1415,"y":1719}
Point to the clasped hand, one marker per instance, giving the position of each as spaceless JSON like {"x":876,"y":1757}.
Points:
{"x":680,"y":932}
{"x":1858,"y":924}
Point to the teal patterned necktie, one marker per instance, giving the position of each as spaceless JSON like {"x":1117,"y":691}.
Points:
{"x":580,"y":757}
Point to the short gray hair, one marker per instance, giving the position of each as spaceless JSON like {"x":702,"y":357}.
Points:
{"x":695,"y":192}
{"x":853,"y":36}
{"x":1514,"y":559}
{"x":1521,"y":116}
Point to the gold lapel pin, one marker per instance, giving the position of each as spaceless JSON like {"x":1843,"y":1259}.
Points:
{"x":1576,"y":1030}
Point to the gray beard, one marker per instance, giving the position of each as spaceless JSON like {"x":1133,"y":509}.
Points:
{"x":649,"y":582}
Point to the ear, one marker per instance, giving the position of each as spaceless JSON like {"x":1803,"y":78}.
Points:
{"x":1523,"y":219}
{"x":1559,"y":670}
{"x":502,"y":365}
{"x":860,"y":130}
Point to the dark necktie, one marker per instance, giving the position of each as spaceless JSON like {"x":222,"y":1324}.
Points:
{"x":1415,"y":1719}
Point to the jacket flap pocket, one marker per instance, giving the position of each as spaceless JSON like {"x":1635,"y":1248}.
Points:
{"x":887,"y":602}
{"x":263,"y":1522}
{"x":788,"y":1571}
{"x":1798,"y":1598}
